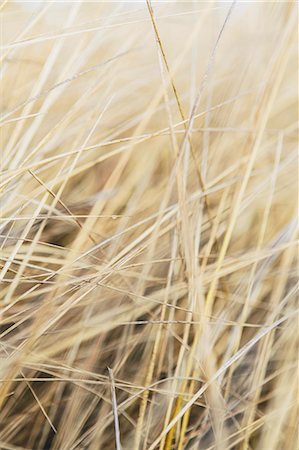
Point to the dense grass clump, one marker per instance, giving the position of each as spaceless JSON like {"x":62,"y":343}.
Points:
{"x":148,"y":225}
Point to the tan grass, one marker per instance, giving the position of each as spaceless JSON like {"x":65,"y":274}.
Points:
{"x":149,"y":225}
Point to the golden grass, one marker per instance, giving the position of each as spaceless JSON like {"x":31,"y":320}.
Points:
{"x":149,"y":226}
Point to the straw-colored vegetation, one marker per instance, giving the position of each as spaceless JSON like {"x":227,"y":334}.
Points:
{"x":148,"y":225}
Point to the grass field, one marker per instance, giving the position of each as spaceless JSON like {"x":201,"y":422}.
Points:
{"x":148,"y":229}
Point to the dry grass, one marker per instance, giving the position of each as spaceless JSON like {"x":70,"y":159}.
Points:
{"x":149,"y":226}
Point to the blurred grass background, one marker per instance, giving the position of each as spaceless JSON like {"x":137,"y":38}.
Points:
{"x":149,"y":225}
